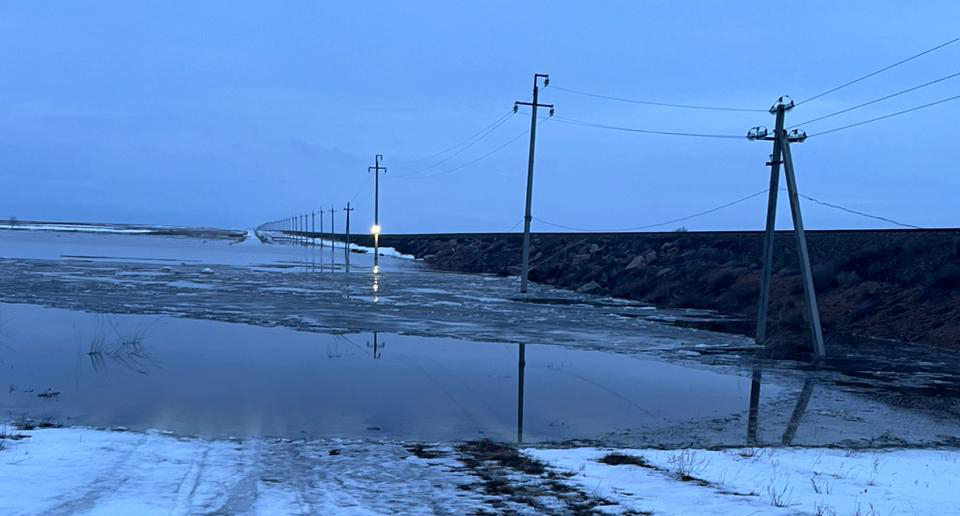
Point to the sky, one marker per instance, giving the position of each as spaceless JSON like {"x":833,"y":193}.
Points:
{"x":235,"y":113}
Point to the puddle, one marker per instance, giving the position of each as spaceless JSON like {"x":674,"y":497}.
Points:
{"x":219,"y":339}
{"x":222,"y":379}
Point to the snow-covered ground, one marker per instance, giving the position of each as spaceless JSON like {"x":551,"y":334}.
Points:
{"x":819,"y":481}
{"x":72,"y":471}
{"x":77,"y":471}
{"x":258,"y":235}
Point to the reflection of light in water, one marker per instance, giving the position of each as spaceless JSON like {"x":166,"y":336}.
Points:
{"x":376,"y":285}
{"x":376,"y":269}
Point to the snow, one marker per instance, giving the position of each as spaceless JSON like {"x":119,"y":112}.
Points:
{"x":80,"y":471}
{"x":99,"y":472}
{"x":825,"y":481}
{"x":384,"y":251}
{"x":81,"y":228}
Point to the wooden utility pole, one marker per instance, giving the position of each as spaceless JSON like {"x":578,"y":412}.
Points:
{"x":781,"y":154}
{"x":333,"y":248}
{"x":525,"y":266}
{"x":376,"y":168}
{"x":346,"y":247}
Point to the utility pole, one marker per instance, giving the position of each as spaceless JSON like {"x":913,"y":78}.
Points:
{"x":781,"y":154}
{"x":321,"y":232}
{"x":525,"y":269}
{"x":376,"y":168}
{"x":346,"y":247}
{"x":333,"y":248}
{"x":313,"y":228}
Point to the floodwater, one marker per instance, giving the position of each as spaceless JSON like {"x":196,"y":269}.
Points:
{"x":220,"y":338}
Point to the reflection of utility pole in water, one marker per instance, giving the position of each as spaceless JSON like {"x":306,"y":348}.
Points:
{"x":521,"y":366}
{"x":753,"y":415}
{"x":799,"y":411}
{"x":376,"y":345}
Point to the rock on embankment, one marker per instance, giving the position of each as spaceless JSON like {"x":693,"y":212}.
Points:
{"x":902,"y":285}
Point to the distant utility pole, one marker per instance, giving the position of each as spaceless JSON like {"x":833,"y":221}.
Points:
{"x":781,"y":154}
{"x":332,"y":240}
{"x":321,"y":232}
{"x":533,"y":144}
{"x":376,"y":168}
{"x":346,"y":247}
{"x":313,"y":228}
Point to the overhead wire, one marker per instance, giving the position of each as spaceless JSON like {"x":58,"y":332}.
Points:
{"x":479,"y":158}
{"x":653,"y":103}
{"x":862,"y":214}
{"x":658,"y":224}
{"x":874,"y":101}
{"x":479,"y":137}
{"x":884,"y":117}
{"x":881,"y":70}
{"x":597,"y":125}
{"x":458,"y":144}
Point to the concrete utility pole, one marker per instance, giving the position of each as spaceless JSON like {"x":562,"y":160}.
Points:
{"x":376,"y":168}
{"x":332,"y":235}
{"x":525,"y":268}
{"x":321,"y":232}
{"x":313,"y":228}
{"x":781,"y":154}
{"x":346,"y":247}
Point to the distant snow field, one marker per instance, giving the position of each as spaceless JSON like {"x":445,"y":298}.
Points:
{"x":99,"y":472}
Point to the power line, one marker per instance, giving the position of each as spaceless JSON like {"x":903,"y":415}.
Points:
{"x":727,"y":205}
{"x":596,"y":125}
{"x":871,"y":74}
{"x":665,"y":223}
{"x":862,"y":214}
{"x":884,"y":117}
{"x":493,"y":124}
{"x":363,"y":183}
{"x":484,"y":156}
{"x":874,"y":101}
{"x":660,"y":104}
{"x":486,"y":133}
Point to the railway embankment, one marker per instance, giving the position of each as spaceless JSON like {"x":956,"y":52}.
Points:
{"x":901,"y":285}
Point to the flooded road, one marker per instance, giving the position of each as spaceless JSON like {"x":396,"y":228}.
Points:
{"x":222,"y":338}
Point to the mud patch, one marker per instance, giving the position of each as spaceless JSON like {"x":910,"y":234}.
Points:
{"x":518,"y":484}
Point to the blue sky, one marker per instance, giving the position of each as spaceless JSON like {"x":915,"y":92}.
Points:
{"x":234,"y":113}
